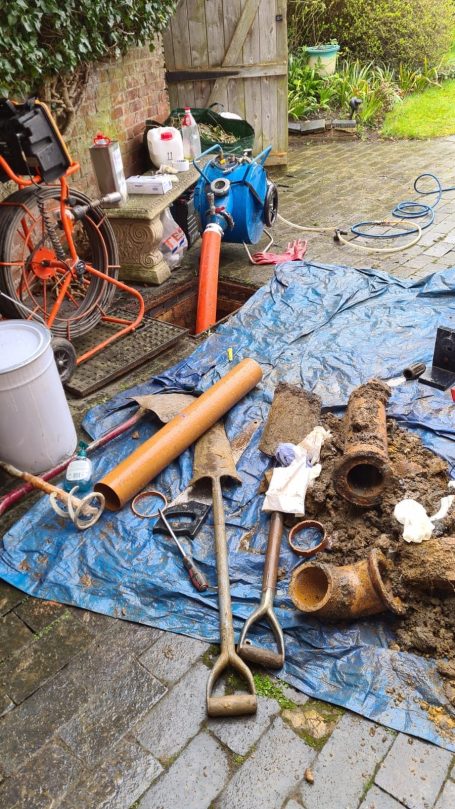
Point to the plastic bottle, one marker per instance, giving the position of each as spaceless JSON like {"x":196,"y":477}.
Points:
{"x":174,"y":242}
{"x":164,"y":145}
{"x":190,"y":136}
{"x":80,"y":472}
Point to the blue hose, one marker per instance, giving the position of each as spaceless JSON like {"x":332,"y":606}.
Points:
{"x":410,"y":209}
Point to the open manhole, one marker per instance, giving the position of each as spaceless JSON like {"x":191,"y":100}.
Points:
{"x":178,"y":305}
{"x":170,"y":315}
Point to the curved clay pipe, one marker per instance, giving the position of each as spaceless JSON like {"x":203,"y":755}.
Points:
{"x":346,"y":592}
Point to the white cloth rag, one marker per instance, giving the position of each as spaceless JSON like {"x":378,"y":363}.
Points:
{"x":289,"y":484}
{"x":417,"y":525}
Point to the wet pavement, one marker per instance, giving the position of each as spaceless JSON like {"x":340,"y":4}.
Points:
{"x":98,"y":712}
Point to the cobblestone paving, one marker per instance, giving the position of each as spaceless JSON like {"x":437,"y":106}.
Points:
{"x":98,"y":712}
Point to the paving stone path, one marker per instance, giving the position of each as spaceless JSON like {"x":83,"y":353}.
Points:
{"x":99,"y":713}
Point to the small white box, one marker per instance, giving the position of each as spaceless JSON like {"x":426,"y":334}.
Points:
{"x":148,"y":184}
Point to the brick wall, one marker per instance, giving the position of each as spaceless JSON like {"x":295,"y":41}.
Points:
{"x":120,"y":95}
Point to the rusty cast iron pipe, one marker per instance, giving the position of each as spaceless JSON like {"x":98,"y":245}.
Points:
{"x":361,"y":474}
{"x":148,"y":460}
{"x":346,"y":592}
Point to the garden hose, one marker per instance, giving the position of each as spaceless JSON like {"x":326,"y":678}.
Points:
{"x":403,"y":211}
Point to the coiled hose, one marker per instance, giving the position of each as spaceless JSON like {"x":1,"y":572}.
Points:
{"x":408,"y":210}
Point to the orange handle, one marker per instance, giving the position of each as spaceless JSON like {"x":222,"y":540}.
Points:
{"x":209,"y":264}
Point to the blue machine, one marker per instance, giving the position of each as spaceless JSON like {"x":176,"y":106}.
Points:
{"x":235,"y":194}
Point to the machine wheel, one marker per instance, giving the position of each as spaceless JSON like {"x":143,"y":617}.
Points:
{"x":271,"y":204}
{"x":65,"y":357}
{"x":33,"y":270}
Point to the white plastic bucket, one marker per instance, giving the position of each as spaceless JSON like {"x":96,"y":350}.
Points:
{"x":36,"y":427}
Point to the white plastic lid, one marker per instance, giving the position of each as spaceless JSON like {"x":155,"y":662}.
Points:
{"x":21,"y":342}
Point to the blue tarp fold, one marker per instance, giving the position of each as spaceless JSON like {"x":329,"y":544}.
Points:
{"x":329,"y":328}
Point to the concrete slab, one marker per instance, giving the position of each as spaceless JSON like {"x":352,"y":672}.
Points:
{"x":413,"y":772}
{"x":172,"y":655}
{"x":240,"y":736}
{"x":194,"y":779}
{"x":345,"y":764}
{"x":271,"y":773}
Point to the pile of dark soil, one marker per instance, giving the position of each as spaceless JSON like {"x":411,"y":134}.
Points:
{"x":428,"y":626}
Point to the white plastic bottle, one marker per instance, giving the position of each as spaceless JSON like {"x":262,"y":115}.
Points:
{"x":190,"y":136}
{"x":80,"y":471}
{"x":164,"y":145}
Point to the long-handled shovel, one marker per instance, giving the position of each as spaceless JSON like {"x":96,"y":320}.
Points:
{"x":213,"y":460}
{"x":293,"y":414}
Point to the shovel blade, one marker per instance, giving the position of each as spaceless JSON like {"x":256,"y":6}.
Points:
{"x":294,"y":413}
{"x":213,"y":456}
{"x":166,"y":406}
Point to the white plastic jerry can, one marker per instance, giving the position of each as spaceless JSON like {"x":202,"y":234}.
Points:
{"x":164,"y":145}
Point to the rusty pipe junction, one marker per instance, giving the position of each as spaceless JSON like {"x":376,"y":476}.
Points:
{"x":361,"y":473}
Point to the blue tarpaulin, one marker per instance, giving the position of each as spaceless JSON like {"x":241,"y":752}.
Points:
{"x":328,"y":328}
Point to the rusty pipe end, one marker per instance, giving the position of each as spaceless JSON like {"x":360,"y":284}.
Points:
{"x":345,"y":592}
{"x":376,"y":389}
{"x":361,"y":473}
{"x":361,"y":478}
{"x":311,"y":587}
{"x":377,"y":568}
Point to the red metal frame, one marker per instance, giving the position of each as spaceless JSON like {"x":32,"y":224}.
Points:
{"x":68,"y":269}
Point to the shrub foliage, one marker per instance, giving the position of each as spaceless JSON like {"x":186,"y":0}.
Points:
{"x":47,"y":46}
{"x":409,"y":32}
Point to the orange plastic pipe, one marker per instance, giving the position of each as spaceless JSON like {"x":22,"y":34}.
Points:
{"x":147,"y":461}
{"x":209,"y":264}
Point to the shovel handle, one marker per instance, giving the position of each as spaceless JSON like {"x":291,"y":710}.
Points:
{"x":231,"y":704}
{"x":261,"y":657}
{"x":273,"y":551}
{"x":256,"y":654}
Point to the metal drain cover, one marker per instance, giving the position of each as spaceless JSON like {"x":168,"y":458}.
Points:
{"x":151,"y":338}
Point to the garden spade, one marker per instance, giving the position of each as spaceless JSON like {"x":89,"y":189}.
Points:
{"x":294,"y":412}
{"x":213,"y":460}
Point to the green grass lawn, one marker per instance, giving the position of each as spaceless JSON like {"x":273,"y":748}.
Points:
{"x":430,"y":114}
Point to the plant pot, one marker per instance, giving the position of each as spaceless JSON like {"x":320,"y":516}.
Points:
{"x":323,"y":58}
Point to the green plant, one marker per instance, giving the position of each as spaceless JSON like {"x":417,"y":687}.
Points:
{"x":48,"y":46}
{"x":414,"y":81}
{"x":273,"y":689}
{"x":389,"y":31}
{"x":379,"y":87}
{"x":305,"y":18}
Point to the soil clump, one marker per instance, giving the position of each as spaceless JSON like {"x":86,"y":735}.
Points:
{"x":421,"y":575}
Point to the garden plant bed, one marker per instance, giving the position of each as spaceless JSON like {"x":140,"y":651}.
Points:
{"x":428,"y":625}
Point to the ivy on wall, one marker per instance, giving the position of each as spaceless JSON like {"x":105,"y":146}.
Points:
{"x":48,"y":46}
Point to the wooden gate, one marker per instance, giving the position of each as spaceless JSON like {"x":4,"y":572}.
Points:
{"x":233,"y":52}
